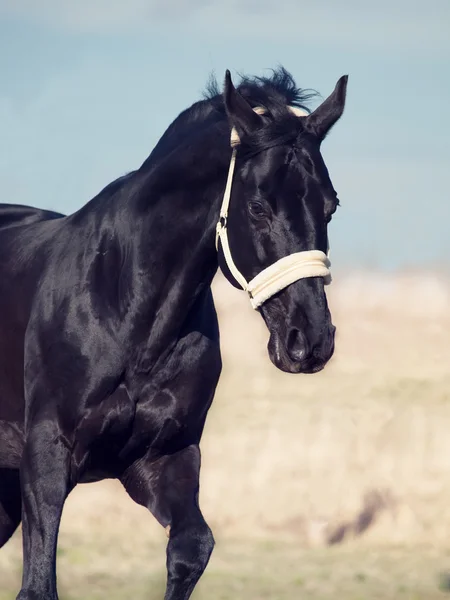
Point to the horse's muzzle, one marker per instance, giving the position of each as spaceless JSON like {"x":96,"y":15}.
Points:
{"x":294,"y":354}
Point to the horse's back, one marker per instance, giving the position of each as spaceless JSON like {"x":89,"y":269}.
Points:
{"x":12,"y":215}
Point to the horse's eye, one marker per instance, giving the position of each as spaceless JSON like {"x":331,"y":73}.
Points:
{"x":256,"y":209}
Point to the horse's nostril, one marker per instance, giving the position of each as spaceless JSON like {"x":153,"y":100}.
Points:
{"x":297,"y":345}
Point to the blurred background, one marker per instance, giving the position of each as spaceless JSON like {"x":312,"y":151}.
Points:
{"x":319,"y":486}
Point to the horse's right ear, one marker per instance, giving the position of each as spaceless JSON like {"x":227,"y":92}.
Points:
{"x":325,"y":116}
{"x":240,"y":113}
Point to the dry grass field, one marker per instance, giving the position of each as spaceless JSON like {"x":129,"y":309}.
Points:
{"x":334,"y":485}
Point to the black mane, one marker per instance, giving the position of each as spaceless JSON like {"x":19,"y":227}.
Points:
{"x":273,"y":93}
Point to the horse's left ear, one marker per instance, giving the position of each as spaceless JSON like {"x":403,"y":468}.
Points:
{"x":325,"y":116}
{"x":240,"y":113}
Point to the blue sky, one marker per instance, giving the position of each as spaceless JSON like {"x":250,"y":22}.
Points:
{"x":88,"y":87}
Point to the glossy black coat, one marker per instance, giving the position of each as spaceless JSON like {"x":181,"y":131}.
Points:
{"x":109,"y":342}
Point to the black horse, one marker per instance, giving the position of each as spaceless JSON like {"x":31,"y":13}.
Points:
{"x":109,"y":342}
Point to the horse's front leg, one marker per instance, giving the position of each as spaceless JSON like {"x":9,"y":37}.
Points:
{"x":169,"y":489}
{"x":44,"y":477}
{"x":190,"y":539}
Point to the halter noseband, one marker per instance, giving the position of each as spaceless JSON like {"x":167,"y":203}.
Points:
{"x":310,"y":263}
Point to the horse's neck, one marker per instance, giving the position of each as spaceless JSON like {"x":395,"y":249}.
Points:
{"x":175,"y":250}
{"x":177,"y":239}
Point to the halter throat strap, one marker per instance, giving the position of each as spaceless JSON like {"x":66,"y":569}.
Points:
{"x":287,"y":270}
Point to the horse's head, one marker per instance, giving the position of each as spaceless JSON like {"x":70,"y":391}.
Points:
{"x":280,"y":204}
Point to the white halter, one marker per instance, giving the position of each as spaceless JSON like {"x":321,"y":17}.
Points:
{"x":310,"y":263}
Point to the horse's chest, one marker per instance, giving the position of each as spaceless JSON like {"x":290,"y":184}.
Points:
{"x":165,"y":421}
{"x":162,"y":412}
{"x":171,"y":409}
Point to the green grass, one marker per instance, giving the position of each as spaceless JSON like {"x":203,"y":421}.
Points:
{"x":259,"y":571}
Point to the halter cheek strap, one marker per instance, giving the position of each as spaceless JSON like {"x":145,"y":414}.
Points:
{"x":273,"y":279}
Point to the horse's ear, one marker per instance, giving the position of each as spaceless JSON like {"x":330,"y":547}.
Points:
{"x":325,"y":116}
{"x":240,"y":113}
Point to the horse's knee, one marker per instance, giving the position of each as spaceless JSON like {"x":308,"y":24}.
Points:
{"x":189,"y":550}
